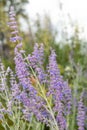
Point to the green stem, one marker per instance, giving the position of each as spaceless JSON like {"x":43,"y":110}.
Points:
{"x":42,"y":127}
{"x":3,"y":82}
{"x":74,"y":106}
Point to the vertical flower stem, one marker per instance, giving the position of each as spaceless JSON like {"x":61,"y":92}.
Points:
{"x":3,"y":82}
{"x":67,"y":125}
{"x":42,"y":127}
{"x":18,"y":117}
{"x":74,"y":105}
{"x":30,"y":122}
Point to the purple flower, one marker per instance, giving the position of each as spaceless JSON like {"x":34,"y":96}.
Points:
{"x":61,"y":121}
{"x":28,"y":96}
{"x":67,"y":99}
{"x":13,"y":26}
{"x":36,"y":62}
{"x":21,"y":68}
{"x":81,"y":114}
{"x":15,"y":39}
{"x":55,"y":89}
{"x":37,"y":56}
{"x":60,"y":92}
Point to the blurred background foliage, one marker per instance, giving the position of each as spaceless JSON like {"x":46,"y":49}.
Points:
{"x":6,"y":48}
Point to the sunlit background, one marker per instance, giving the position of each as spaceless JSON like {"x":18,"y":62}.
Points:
{"x":66,"y":11}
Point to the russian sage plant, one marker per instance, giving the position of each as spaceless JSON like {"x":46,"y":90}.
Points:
{"x":35,"y":96}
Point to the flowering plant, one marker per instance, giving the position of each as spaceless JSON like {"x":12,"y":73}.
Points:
{"x":34,"y":93}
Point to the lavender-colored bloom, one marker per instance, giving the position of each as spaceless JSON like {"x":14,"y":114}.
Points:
{"x":28,"y":94}
{"x":15,"y":87}
{"x":60,"y":92}
{"x":36,"y":62}
{"x":2,"y":77}
{"x":37,"y":56}
{"x":12,"y":23}
{"x":61,"y":121}
{"x":23,"y":75}
{"x":55,"y":83}
{"x":15,"y":39}
{"x":14,"y":32}
{"x":55,"y":89}
{"x":13,"y":26}
{"x":21,"y":69}
{"x":34,"y":104}
{"x":81,"y":114}
{"x":67,"y":98}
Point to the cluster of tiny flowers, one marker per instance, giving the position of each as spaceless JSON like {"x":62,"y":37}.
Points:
{"x":13,"y":26}
{"x":81,"y":114}
{"x":36,"y":61}
{"x":60,"y":91}
{"x":32,"y":103}
{"x":2,"y":88}
{"x":56,"y":87}
{"x":21,"y":69}
{"x":6,"y":92}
